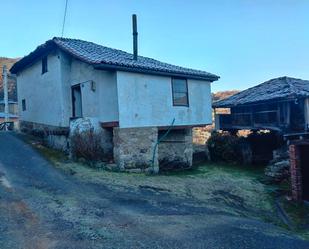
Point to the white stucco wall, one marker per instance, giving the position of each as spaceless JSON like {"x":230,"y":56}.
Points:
{"x":135,"y":100}
{"x":146,"y":100}
{"x":101,"y":102}
{"x":42,"y":92}
{"x":48,"y":96}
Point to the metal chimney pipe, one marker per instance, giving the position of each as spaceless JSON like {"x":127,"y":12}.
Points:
{"x":135,"y":46}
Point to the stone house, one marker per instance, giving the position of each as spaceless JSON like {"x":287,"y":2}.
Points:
{"x":132,"y":100}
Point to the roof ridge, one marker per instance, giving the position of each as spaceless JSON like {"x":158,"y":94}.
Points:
{"x":281,"y":87}
{"x":110,"y":58}
{"x":128,"y":53}
{"x":291,"y":85}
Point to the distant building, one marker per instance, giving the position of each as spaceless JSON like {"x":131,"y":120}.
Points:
{"x":12,"y":95}
{"x":280,"y":105}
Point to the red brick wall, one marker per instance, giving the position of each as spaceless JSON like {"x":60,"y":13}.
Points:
{"x":295,"y":166}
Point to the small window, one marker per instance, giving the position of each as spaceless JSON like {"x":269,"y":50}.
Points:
{"x":44,"y":65}
{"x":180,"y":92}
{"x":23,"y":103}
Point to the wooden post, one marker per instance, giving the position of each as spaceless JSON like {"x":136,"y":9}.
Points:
{"x":5,"y":90}
{"x":306,"y":113}
{"x":288,"y":115}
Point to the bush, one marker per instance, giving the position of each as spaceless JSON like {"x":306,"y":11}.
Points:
{"x":226,"y":147}
{"x":263,"y":144}
{"x":87,"y":145}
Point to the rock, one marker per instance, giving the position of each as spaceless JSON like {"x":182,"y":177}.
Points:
{"x":133,"y":170}
{"x":278,"y":171}
{"x":111,"y":167}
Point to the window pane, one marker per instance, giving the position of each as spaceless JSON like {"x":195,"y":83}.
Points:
{"x":44,"y":65}
{"x":180,"y":92}
{"x":180,"y":99}
{"x":23,"y":103}
{"x":179,"y":85}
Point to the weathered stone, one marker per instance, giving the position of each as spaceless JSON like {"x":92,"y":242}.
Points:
{"x":59,"y":142}
{"x":278,"y":171}
{"x":42,"y":129}
{"x":134,"y":171}
{"x":176,"y":150}
{"x":134,"y":148}
{"x":200,"y":135}
{"x":278,"y":168}
{"x":53,"y":136}
{"x":84,"y":125}
{"x":111,"y":167}
{"x":88,"y":138}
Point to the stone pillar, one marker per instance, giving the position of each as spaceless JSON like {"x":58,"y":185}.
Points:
{"x":176,"y":150}
{"x":200,"y":135}
{"x":134,"y":147}
{"x":295,"y":167}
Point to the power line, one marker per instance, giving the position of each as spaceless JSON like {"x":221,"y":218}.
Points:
{"x":64,"y":16}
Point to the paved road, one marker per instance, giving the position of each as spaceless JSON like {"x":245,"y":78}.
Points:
{"x":41,"y":207}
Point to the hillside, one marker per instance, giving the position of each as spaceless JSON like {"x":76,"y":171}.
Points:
{"x":223,"y":95}
{"x":11,"y":79}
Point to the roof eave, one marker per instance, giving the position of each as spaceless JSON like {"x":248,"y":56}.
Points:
{"x":283,"y":99}
{"x":29,"y":59}
{"x":154,"y":72}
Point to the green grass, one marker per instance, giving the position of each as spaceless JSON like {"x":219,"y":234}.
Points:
{"x":298,"y":214}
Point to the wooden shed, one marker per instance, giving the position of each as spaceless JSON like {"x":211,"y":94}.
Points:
{"x":280,"y":104}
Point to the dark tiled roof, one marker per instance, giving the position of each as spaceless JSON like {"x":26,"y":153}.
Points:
{"x":275,"y":89}
{"x":104,"y":57}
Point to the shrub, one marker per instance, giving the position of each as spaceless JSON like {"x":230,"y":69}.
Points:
{"x":226,"y":147}
{"x":87,"y":145}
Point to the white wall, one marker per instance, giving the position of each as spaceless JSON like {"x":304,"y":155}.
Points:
{"x":42,"y":93}
{"x":100,"y":103}
{"x":135,"y":100}
{"x":146,"y":100}
{"x":48,"y":96}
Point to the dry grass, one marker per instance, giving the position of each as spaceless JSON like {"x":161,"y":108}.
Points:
{"x":238,"y":190}
{"x":225,"y":187}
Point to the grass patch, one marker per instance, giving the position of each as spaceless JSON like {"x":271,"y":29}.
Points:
{"x":230,"y":188}
{"x":227,"y":188}
{"x":298,"y":214}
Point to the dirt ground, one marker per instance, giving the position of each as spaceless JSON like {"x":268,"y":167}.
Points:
{"x":68,"y":205}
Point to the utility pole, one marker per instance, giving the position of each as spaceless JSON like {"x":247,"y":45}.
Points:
{"x":5,"y":90}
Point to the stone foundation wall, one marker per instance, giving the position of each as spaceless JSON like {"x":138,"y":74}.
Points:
{"x":58,"y":142}
{"x":201,"y":134}
{"x":42,"y":129}
{"x":59,"y":137}
{"x":295,"y":168}
{"x":107,"y":141}
{"x":55,"y":137}
{"x":176,"y":149}
{"x":133,"y":149}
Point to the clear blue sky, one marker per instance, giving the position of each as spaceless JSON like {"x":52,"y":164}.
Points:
{"x":246,"y":42}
